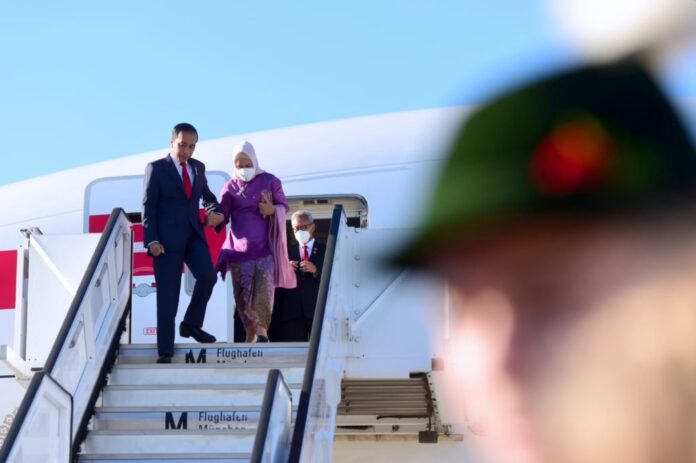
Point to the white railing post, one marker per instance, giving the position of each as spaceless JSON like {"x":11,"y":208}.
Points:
{"x":20,"y":322}
{"x":274,"y":433}
{"x":317,"y":444}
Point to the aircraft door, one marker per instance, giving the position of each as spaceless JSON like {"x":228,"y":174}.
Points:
{"x":101,"y":196}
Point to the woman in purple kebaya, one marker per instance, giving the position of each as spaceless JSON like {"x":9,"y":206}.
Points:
{"x":255,"y":251}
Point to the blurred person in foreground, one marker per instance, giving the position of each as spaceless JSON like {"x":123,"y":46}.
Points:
{"x":565,"y":224}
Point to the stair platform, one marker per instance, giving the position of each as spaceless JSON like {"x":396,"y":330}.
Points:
{"x":219,"y":353}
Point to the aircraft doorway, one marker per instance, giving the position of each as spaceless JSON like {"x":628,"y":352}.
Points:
{"x":321,"y":207}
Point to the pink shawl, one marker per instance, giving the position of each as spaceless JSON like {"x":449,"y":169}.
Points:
{"x":283,"y":274}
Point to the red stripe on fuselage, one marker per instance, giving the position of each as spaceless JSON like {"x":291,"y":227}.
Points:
{"x":142,"y":263}
{"x":97,"y":223}
{"x":215,"y":240}
{"x":138,"y":232}
{"x":8,"y":279}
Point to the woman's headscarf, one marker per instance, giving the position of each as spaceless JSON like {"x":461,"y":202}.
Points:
{"x":247,"y":149}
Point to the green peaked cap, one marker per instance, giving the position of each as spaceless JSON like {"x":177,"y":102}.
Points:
{"x":600,"y":139}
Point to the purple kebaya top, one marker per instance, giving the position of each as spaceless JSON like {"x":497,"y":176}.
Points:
{"x":248,"y":235}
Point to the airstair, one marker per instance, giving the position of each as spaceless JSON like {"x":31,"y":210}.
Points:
{"x":98,"y":398}
{"x":205,"y":406}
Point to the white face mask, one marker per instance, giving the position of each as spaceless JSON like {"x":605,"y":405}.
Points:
{"x":246,"y":174}
{"x":302,"y":236}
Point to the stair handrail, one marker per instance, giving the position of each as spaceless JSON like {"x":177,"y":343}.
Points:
{"x":74,"y":391}
{"x":318,"y":336}
{"x":276,"y":417}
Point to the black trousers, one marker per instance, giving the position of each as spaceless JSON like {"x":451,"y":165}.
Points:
{"x":168,"y":278}
{"x":293,"y":330}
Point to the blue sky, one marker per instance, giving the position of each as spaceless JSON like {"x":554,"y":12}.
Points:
{"x":86,"y":81}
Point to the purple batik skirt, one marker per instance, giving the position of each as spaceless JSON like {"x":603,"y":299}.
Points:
{"x":254,"y":288}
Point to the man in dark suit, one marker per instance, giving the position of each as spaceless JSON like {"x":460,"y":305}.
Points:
{"x":293,"y":309}
{"x":174,"y":187}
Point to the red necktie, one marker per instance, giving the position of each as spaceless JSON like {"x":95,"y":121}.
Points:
{"x":305,"y":256}
{"x":187,"y":180}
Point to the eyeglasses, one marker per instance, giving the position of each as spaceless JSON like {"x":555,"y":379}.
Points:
{"x":301,"y":227}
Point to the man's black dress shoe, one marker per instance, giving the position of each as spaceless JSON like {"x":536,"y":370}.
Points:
{"x":164,"y":359}
{"x":188,"y":331}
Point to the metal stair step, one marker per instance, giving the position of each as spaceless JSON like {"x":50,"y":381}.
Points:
{"x":356,"y":425}
{"x":218,"y":353}
{"x":159,"y":458}
{"x":203,"y":407}
{"x":372,"y":420}
{"x":198,"y":395}
{"x":163,"y":418}
{"x":203,"y":373}
{"x":170,"y":442}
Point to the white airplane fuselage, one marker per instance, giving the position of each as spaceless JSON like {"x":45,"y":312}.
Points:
{"x":389,"y":160}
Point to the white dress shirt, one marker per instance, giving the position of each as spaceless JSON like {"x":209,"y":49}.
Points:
{"x":179,"y":169}
{"x":310,"y":246}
